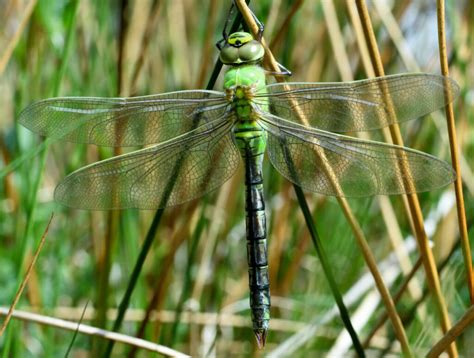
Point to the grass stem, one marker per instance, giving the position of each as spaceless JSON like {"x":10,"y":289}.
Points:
{"x":344,"y":313}
{"x":413,"y":203}
{"x":153,"y":229}
{"x":356,"y":229}
{"x":454,"y":145}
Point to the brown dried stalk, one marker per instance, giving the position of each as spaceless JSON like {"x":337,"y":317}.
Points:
{"x":453,"y":145}
{"x":359,"y":235}
{"x":414,"y":205}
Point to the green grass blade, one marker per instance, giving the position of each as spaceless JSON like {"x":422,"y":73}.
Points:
{"x":344,"y":313}
{"x":134,"y":278}
{"x":187,"y":277}
{"x":154,"y":227}
{"x":34,"y":196}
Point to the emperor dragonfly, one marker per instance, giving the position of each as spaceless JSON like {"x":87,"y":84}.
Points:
{"x":200,"y":136}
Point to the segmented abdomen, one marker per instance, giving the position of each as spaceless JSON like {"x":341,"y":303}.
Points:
{"x":251,"y":140}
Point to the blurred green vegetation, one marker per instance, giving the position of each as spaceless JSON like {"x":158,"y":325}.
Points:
{"x":169,"y":46}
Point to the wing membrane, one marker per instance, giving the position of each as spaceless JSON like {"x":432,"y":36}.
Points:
{"x":361,"y":105}
{"x":123,"y":121}
{"x":167,"y":174}
{"x":313,"y":158}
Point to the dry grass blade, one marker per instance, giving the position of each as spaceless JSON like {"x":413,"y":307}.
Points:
{"x":207,"y":51}
{"x":383,"y":290}
{"x":151,"y":22}
{"x":7,"y":52}
{"x":453,"y":144}
{"x":352,"y":297}
{"x":286,"y":23}
{"x":386,"y":208}
{"x":191,"y":292}
{"x":396,"y":35}
{"x":356,"y":229}
{"x":10,"y":191}
{"x":343,"y":64}
{"x":337,"y":40}
{"x":93,"y":331}
{"x":415,"y":210}
{"x":458,"y":328}
{"x":396,"y":298}
{"x":342,"y":60}
{"x":177,"y":239}
{"x":361,"y":43}
{"x":134,"y":315}
{"x":25,"y":279}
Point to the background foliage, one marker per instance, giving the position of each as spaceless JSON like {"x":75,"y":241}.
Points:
{"x":195,"y":276}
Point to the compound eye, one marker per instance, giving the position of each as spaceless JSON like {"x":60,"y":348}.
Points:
{"x":229,"y":55}
{"x":251,"y":51}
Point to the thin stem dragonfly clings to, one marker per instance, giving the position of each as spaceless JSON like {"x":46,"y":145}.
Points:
{"x":201,"y":136}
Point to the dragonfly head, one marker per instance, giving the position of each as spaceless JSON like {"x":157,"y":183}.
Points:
{"x":240,"y":48}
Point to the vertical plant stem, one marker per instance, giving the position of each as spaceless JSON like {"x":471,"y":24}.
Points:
{"x":187,"y":278}
{"x":454,"y":148}
{"x":8,"y":50}
{"x":147,"y":36}
{"x":327,"y":271}
{"x":160,"y":289}
{"x":459,"y":327}
{"x":356,"y":229}
{"x":372,"y":265}
{"x":277,"y":39}
{"x":413,"y":203}
{"x":154,"y":227}
{"x":134,"y":277}
{"x":208,"y":48}
{"x":70,"y":15}
{"x":71,"y":18}
{"x":26,"y":277}
{"x":112,"y":231}
{"x":396,"y":298}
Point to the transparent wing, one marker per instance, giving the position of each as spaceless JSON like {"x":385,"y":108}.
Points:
{"x":360,"y":105}
{"x":123,"y":121}
{"x":174,"y":172}
{"x":313,"y":158}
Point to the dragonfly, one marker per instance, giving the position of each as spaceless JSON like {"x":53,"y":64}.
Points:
{"x":194,"y":140}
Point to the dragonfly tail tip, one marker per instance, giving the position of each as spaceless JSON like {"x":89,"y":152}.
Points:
{"x":261,"y":336}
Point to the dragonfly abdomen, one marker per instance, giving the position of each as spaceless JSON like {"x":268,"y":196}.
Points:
{"x":251,"y":141}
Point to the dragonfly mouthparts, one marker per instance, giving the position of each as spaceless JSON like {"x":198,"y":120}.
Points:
{"x":261,"y":336}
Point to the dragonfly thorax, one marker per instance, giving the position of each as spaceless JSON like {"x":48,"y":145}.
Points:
{"x":240,"y":98}
{"x":242,"y":85}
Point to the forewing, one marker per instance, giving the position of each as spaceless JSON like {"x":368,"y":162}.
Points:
{"x":361,"y":105}
{"x":316,"y":160}
{"x":167,"y":174}
{"x":123,"y":121}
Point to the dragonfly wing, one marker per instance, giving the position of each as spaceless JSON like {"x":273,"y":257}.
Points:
{"x":361,"y":105}
{"x":167,"y":174}
{"x":315,"y":160}
{"x":123,"y":121}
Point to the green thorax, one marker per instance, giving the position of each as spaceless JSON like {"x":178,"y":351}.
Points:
{"x":242,"y":83}
{"x":245,"y":75}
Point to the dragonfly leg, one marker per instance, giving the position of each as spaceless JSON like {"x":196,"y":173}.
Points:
{"x":225,"y":32}
{"x":261,"y":26}
{"x":283,"y":71}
